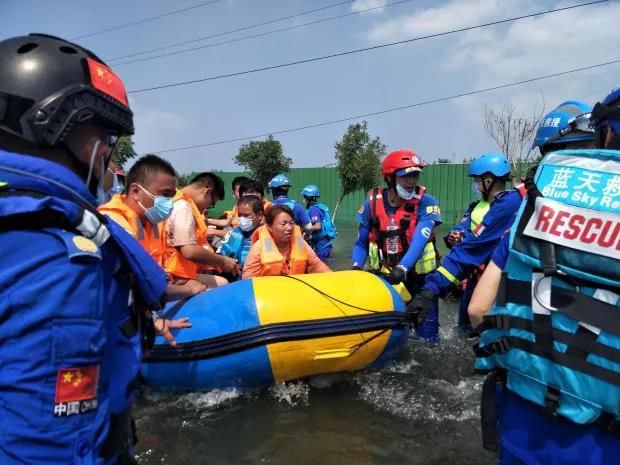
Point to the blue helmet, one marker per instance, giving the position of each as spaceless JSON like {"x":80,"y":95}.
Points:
{"x":279,"y":180}
{"x":310,"y":191}
{"x":560,"y":118}
{"x":494,"y":163}
{"x":607,"y":114}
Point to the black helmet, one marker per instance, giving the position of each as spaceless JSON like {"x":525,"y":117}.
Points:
{"x":47,"y":85}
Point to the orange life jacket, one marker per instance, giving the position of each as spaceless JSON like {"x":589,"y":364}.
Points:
{"x":151,"y":237}
{"x":405,"y":218}
{"x":176,"y":264}
{"x":271,"y":260}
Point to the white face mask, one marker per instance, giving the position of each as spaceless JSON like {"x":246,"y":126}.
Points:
{"x":475,"y":188}
{"x":246,"y":224}
{"x":100,"y":194}
{"x":404,"y":193}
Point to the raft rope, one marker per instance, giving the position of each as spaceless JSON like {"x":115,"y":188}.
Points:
{"x":365,"y":341}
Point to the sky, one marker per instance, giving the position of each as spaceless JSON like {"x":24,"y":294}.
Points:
{"x":310,"y":93}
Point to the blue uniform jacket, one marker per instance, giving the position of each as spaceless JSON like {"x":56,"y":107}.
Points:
{"x":318,"y":239}
{"x":65,"y":363}
{"x":301,"y":215}
{"x":477,"y":247}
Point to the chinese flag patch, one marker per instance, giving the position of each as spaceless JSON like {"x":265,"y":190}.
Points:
{"x":75,"y":384}
{"x":104,"y":79}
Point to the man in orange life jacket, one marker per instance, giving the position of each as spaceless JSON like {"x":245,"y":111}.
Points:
{"x":189,"y":252}
{"x":395,"y":227}
{"x":151,"y":185}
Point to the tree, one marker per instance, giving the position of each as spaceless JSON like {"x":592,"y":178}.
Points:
{"x":358,"y":160}
{"x":184,"y":179}
{"x":263,"y":159}
{"x":513,"y":133}
{"x":124,"y":151}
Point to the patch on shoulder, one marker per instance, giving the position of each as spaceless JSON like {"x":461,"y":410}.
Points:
{"x":84,"y":244}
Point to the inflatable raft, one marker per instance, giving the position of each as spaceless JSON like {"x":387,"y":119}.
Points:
{"x":255,"y":332}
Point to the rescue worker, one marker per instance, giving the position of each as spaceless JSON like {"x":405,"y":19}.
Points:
{"x":69,"y":342}
{"x":551,"y":340}
{"x":567,"y":126}
{"x":279,"y":186}
{"x":469,"y":222}
{"x":278,"y":248}
{"x":606,"y":121}
{"x":151,"y":185}
{"x":189,"y":254}
{"x":490,"y":172}
{"x":323,"y":229}
{"x":237,"y":243}
{"x":395,"y":230}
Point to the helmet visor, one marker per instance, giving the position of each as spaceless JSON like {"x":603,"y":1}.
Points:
{"x":409,"y":171}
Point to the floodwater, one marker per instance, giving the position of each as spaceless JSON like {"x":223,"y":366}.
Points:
{"x":421,"y":409}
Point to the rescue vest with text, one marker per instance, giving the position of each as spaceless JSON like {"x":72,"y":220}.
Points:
{"x":273,"y":262}
{"x":176,"y":264}
{"x":406,"y":219}
{"x":151,"y":237}
{"x":555,"y":327}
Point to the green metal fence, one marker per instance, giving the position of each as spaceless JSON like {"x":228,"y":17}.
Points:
{"x":446,"y":182}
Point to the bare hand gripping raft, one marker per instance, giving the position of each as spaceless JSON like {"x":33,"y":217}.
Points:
{"x":255,"y":332}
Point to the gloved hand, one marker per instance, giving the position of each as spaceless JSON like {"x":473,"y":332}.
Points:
{"x":397,"y":275}
{"x":420,"y":306}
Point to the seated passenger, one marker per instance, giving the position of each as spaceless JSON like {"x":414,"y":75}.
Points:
{"x":231,"y":216}
{"x":278,"y":248}
{"x":254,"y":188}
{"x":151,"y":184}
{"x":237,"y":243}
{"x":189,"y":254}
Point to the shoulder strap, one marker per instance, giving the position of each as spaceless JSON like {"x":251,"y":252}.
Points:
{"x":46,"y":218}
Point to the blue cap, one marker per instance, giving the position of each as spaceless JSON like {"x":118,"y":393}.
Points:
{"x":559,"y":118}
{"x":310,"y":191}
{"x":280,"y":180}
{"x":494,"y":163}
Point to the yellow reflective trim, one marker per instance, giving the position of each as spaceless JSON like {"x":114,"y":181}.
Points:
{"x":280,"y":299}
{"x":449,"y":276}
{"x":478,"y":213}
{"x":3,"y":184}
{"x":428,"y":261}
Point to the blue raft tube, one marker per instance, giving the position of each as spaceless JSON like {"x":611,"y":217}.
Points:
{"x":256,"y":332}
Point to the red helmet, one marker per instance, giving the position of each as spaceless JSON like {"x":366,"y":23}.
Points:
{"x":401,"y":162}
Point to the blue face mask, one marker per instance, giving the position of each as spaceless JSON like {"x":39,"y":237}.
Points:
{"x":161,"y":209}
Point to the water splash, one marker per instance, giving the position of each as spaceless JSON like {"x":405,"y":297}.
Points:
{"x":293,"y":393}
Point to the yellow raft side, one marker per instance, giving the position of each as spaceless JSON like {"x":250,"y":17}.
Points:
{"x":279,"y":298}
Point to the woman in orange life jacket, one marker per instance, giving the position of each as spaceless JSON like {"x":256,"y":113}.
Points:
{"x":278,"y":248}
{"x":395,"y":228}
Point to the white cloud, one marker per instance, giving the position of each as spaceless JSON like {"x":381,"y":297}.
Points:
{"x":518,"y":50}
{"x":455,"y":14}
{"x":361,"y":5}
